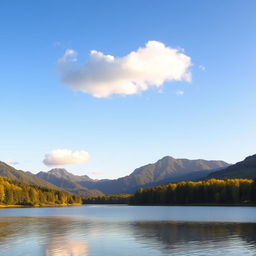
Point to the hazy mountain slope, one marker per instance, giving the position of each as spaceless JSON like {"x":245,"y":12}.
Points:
{"x":68,"y":181}
{"x":167,"y":169}
{"x":63,"y":173}
{"x":245,"y":169}
{"x":26,"y":177}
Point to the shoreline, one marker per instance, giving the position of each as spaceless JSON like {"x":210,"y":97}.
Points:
{"x":68,"y":205}
{"x":226,"y":204}
{"x":38,"y":206}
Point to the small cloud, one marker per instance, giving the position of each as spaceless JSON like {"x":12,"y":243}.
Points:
{"x":10,"y":162}
{"x":179,"y":93}
{"x":68,"y":57}
{"x":201,"y":67}
{"x":105,"y":75}
{"x":65,"y":156}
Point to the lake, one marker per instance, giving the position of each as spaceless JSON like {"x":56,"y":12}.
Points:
{"x":99,"y":230}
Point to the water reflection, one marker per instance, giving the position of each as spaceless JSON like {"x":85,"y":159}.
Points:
{"x":60,"y":247}
{"x":173,"y":235}
{"x":82,"y":236}
{"x":46,"y":236}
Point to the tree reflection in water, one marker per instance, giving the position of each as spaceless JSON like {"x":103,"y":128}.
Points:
{"x":172,"y":234}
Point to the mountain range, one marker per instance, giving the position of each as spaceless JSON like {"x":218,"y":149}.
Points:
{"x":68,"y":181}
{"x":167,"y":169}
{"x":164,"y":171}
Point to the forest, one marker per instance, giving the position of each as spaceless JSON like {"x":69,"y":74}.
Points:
{"x":14,"y":192}
{"x":108,"y":199}
{"x":213,"y":191}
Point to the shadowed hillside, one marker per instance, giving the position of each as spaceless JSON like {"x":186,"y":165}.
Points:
{"x":245,"y":169}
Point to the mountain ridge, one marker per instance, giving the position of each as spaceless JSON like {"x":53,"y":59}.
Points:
{"x":62,"y":178}
{"x":165,"y":170}
{"x":244,"y":169}
{"x":26,"y":177}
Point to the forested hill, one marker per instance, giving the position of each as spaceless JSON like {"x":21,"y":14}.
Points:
{"x":245,"y":169}
{"x":56,"y":179}
{"x":231,"y":191}
{"x":14,"y":192}
{"x":26,"y":177}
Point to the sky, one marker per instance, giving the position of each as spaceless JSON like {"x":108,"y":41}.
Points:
{"x":103,"y":87}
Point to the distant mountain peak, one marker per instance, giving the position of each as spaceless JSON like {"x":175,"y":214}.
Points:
{"x":66,"y":174}
{"x":166,"y":158}
{"x":68,"y":181}
{"x":59,"y":171}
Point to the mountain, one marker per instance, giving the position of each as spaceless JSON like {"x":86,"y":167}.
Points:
{"x":166,"y":170}
{"x":68,"y":181}
{"x":245,"y":169}
{"x":26,"y":177}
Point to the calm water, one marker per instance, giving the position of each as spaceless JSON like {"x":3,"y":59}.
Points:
{"x":128,"y":230}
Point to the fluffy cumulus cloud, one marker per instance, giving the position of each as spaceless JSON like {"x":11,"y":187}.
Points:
{"x":65,"y":156}
{"x":104,"y":75}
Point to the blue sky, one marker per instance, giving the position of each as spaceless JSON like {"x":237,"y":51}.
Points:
{"x":213,"y":119}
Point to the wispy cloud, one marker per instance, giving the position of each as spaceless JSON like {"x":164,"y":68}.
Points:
{"x":65,"y":156}
{"x":201,"y":67}
{"x":104,"y":75}
{"x":179,"y":93}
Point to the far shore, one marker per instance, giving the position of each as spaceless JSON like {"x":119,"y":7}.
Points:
{"x":205,"y":204}
{"x":67,"y":205}
{"x":38,"y":206}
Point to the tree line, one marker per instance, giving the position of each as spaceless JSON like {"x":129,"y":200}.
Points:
{"x":108,"y":199}
{"x":14,"y":192}
{"x":211,"y":191}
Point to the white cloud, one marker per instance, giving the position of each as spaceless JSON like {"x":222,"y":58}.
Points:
{"x":179,"y":93}
{"x":65,"y":156}
{"x":69,"y":56}
{"x":104,"y":75}
{"x":201,"y":67}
